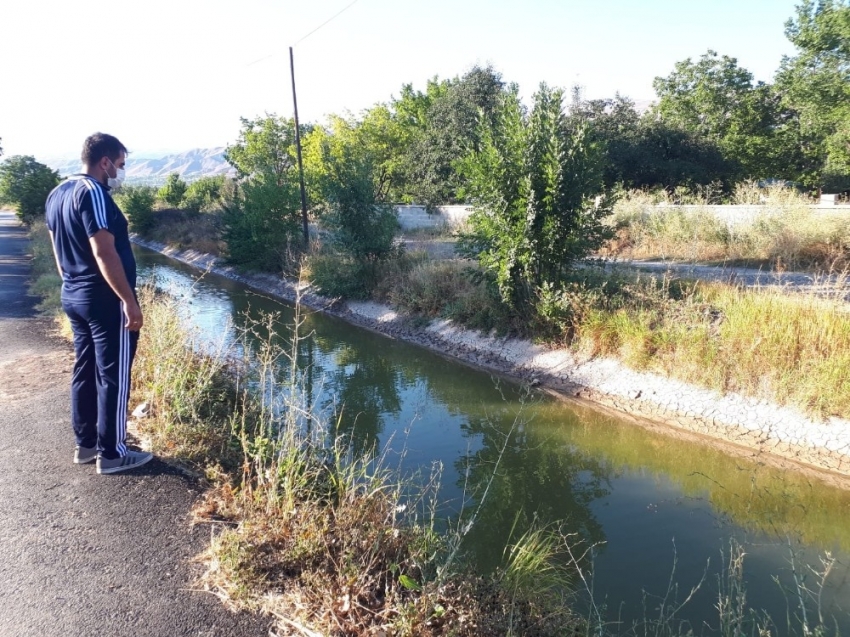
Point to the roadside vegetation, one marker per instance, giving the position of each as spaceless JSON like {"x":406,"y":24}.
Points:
{"x":326,"y":540}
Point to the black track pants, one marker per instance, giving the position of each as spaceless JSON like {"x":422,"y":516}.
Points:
{"x":100,"y":385}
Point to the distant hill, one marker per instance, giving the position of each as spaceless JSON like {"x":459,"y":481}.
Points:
{"x":200,"y":162}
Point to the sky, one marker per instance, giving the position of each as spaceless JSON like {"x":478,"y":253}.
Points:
{"x":171,"y":75}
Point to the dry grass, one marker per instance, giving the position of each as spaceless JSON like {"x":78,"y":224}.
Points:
{"x":786,"y":233}
{"x":188,"y":230}
{"x":789,"y":349}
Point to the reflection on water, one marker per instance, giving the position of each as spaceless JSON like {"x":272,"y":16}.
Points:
{"x":643,"y":500}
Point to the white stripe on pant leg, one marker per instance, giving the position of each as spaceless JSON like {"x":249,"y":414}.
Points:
{"x":123,"y":386}
{"x":124,"y":394}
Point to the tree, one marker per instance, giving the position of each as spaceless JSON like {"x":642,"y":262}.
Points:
{"x":659,"y":156}
{"x":715,"y":100}
{"x":173,"y":191}
{"x":265,"y":150}
{"x":347,"y":175}
{"x":814,"y":90}
{"x":137,"y":203}
{"x":25,"y":184}
{"x":645,"y":152}
{"x":262,"y":221}
{"x":533,"y":181}
{"x":204,"y":194}
{"x":375,"y":139}
{"x":447,"y":128}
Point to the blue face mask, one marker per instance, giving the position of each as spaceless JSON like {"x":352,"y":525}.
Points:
{"x":118,"y":179}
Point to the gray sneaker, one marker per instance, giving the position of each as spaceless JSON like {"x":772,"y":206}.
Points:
{"x":85,"y":455}
{"x":132,"y":460}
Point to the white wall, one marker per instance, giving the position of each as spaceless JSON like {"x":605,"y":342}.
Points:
{"x":413,"y":217}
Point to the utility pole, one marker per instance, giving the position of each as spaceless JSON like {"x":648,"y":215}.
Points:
{"x":298,"y":150}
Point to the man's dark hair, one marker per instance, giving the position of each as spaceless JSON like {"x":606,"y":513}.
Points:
{"x":101,"y":145}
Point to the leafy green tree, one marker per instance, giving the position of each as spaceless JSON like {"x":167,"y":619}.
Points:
{"x":384,"y":139}
{"x":644,"y":152}
{"x":533,"y":180}
{"x":446,"y":120}
{"x":137,"y":203}
{"x":374,"y":138}
{"x":173,"y":191}
{"x":814,"y":89}
{"x":353,"y":209}
{"x":265,"y":150}
{"x":715,"y":100}
{"x":204,"y":194}
{"x":261,"y":223}
{"x":25,"y":184}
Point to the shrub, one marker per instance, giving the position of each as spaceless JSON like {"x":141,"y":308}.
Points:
{"x":137,"y":202}
{"x":340,"y":275}
{"x":204,"y":194}
{"x":361,"y":229}
{"x":173,"y":191}
{"x":533,"y":183}
{"x":261,"y":226}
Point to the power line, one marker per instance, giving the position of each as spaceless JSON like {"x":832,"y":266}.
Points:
{"x":333,"y":17}
{"x":265,"y":57}
{"x":341,"y":11}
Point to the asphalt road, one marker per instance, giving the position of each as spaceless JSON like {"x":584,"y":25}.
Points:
{"x":83,"y":554}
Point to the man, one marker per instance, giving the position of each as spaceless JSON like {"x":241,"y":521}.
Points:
{"x":94,"y":257}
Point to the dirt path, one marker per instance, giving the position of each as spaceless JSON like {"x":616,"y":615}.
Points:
{"x":83,"y":554}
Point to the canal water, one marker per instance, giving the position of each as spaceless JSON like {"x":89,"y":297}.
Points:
{"x":656,"y":509}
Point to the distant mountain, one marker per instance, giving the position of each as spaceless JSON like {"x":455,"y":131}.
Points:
{"x":200,"y":162}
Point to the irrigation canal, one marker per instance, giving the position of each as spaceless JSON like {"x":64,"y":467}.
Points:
{"x":651,"y":504}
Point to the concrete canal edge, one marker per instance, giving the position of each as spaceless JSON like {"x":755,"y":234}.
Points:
{"x":744,"y":426}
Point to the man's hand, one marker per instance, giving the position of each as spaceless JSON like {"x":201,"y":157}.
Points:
{"x":133,"y":316}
